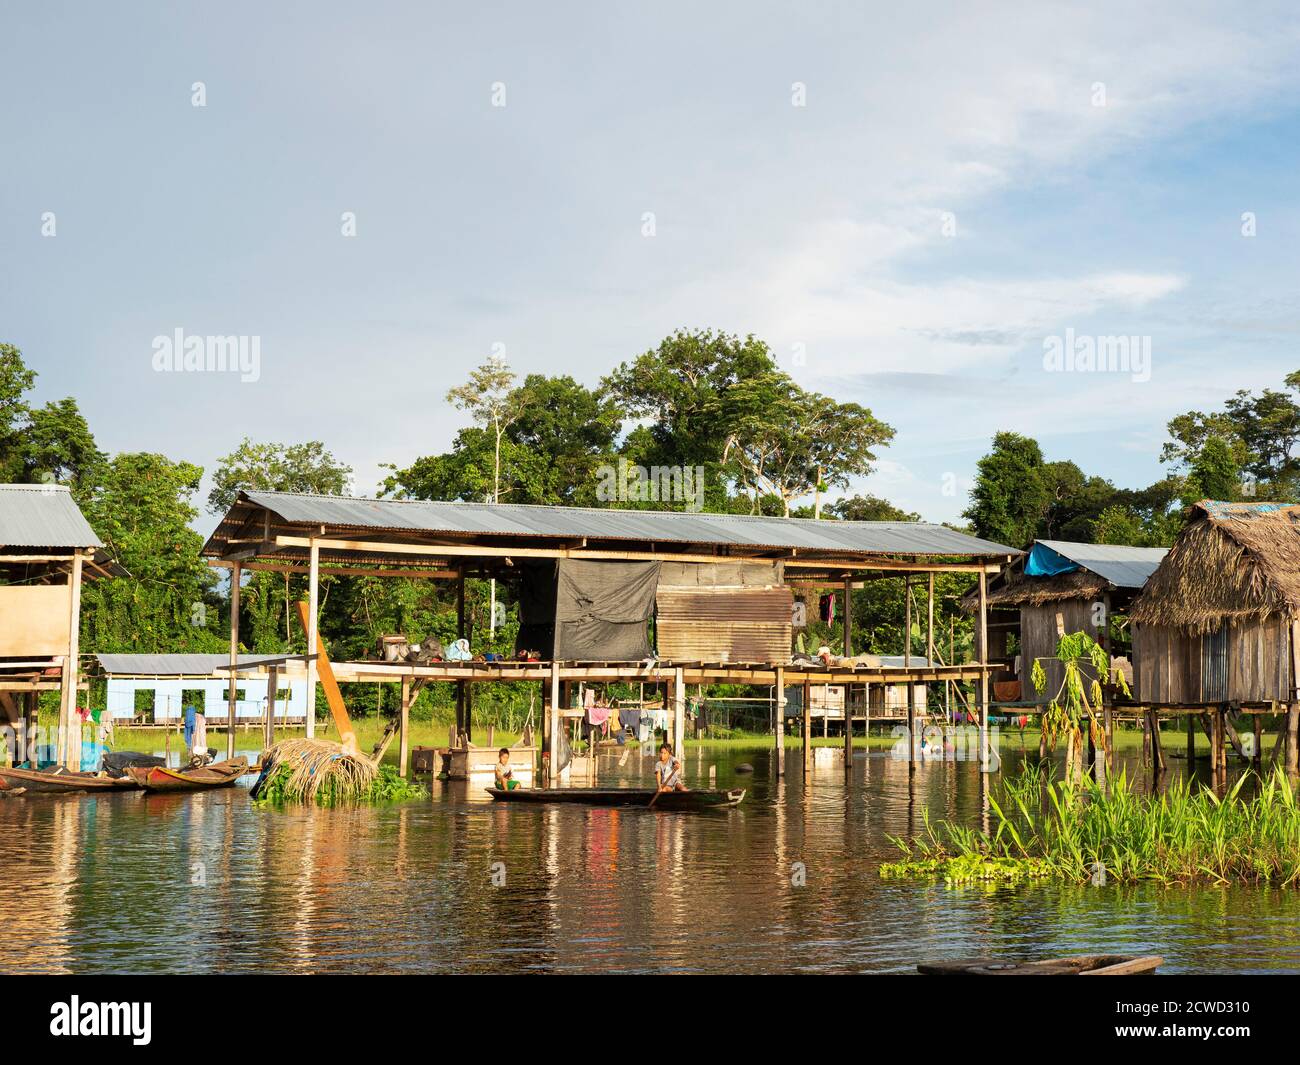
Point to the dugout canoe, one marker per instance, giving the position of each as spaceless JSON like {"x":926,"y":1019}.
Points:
{"x":216,"y":775}
{"x":61,"y":782}
{"x":668,"y":800}
{"x":1076,"y":965}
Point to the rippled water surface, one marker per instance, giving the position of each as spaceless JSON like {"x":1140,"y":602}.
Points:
{"x":209,"y":883}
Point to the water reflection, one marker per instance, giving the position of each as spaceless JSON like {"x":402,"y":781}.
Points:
{"x":789,"y":881}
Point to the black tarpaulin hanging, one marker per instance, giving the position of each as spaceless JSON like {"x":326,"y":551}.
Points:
{"x":602,"y":610}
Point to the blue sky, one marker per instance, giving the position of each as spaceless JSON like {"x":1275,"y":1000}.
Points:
{"x":820,"y":228}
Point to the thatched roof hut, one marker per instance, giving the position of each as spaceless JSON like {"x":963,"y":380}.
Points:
{"x":1081,"y":584}
{"x":1218,"y":620}
{"x":1232,"y":562}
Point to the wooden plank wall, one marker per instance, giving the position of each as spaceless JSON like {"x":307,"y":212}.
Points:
{"x":34,"y":620}
{"x":1170,"y":666}
{"x":1038,"y":639}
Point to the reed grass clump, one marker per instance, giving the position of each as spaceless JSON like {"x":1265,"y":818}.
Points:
{"x":320,"y":772}
{"x":1081,"y":830}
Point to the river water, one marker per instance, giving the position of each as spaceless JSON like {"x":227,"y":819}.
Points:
{"x":786,"y":882}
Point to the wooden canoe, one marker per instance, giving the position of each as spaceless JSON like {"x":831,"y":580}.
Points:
{"x":1076,"y":965}
{"x":668,"y":800}
{"x":216,"y":775}
{"x":61,"y":782}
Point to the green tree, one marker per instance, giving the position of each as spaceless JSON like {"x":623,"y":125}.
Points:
{"x":142,"y":511}
{"x":573,"y":428}
{"x":16,"y":380}
{"x":49,"y":443}
{"x":490,"y":398}
{"x":58,"y":445}
{"x":679,"y":389}
{"x":868,"y":508}
{"x":790,"y":443}
{"x":1215,"y":473}
{"x":267,"y":617}
{"x":306,"y":467}
{"x":1261,"y":432}
{"x":1010,"y":497}
{"x":1075,"y":501}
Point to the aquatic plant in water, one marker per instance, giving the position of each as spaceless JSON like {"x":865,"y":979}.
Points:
{"x":1070,"y":706}
{"x":1070,"y":831}
{"x":323,"y":773}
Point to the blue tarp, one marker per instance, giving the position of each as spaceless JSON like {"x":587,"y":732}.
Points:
{"x":1044,"y":562}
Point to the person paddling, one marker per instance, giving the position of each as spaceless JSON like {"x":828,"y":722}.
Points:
{"x":668,"y":771}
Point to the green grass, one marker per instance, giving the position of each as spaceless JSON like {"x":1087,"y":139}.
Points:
{"x":1071,"y":832}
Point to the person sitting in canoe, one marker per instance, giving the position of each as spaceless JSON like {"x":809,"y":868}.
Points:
{"x":668,"y":770}
{"x":505,"y":775}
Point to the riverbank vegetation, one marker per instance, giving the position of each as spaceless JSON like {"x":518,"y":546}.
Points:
{"x":320,"y":772}
{"x":1081,"y":830}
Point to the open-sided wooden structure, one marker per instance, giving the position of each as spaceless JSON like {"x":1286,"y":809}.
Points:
{"x":1217,"y":628}
{"x":722,"y":592}
{"x":46,"y":548}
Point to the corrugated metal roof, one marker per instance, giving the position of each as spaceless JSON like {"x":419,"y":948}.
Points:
{"x":42,"y":515}
{"x":513,"y":519}
{"x":1124,"y":567}
{"x":173,"y":665}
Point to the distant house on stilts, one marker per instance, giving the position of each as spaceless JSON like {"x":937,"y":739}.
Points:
{"x":1218,"y":625}
{"x":1059,"y":585}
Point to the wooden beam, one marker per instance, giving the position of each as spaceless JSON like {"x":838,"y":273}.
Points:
{"x":907,"y":662}
{"x":778,"y":706}
{"x":232,"y":681}
{"x":68,"y":743}
{"x":679,"y":714}
{"x":554,"y":717}
{"x":313,"y":607}
{"x":404,"y":743}
{"x":341,"y":571}
{"x":848,"y":620}
{"x":483,"y":551}
{"x":983,"y":689}
{"x":272,"y":692}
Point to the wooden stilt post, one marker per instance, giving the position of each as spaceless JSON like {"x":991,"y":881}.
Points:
{"x":272,"y":691}
{"x":1220,"y":760}
{"x":778,"y":721}
{"x":1191,"y":743}
{"x":404,"y":730}
{"x":554,"y":714}
{"x":1293,"y":707}
{"x":848,"y":617}
{"x":460,"y":684}
{"x":679,"y":714}
{"x":313,"y":621}
{"x":866,"y":717}
{"x":983,"y":690}
{"x":907,"y":665}
{"x":1157,"y":750}
{"x":1292,"y":737}
{"x":1257,"y":728}
{"x":68,"y":741}
{"x":848,"y":728}
{"x":31,"y":727}
{"x":1108,"y":725}
{"x":807,"y":725}
{"x":232,"y":678}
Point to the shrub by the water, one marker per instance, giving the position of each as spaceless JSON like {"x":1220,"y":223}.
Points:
{"x":1082,"y":830}
{"x":320,"y":772}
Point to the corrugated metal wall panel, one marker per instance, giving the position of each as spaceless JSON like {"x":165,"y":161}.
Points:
{"x":723,"y":624}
